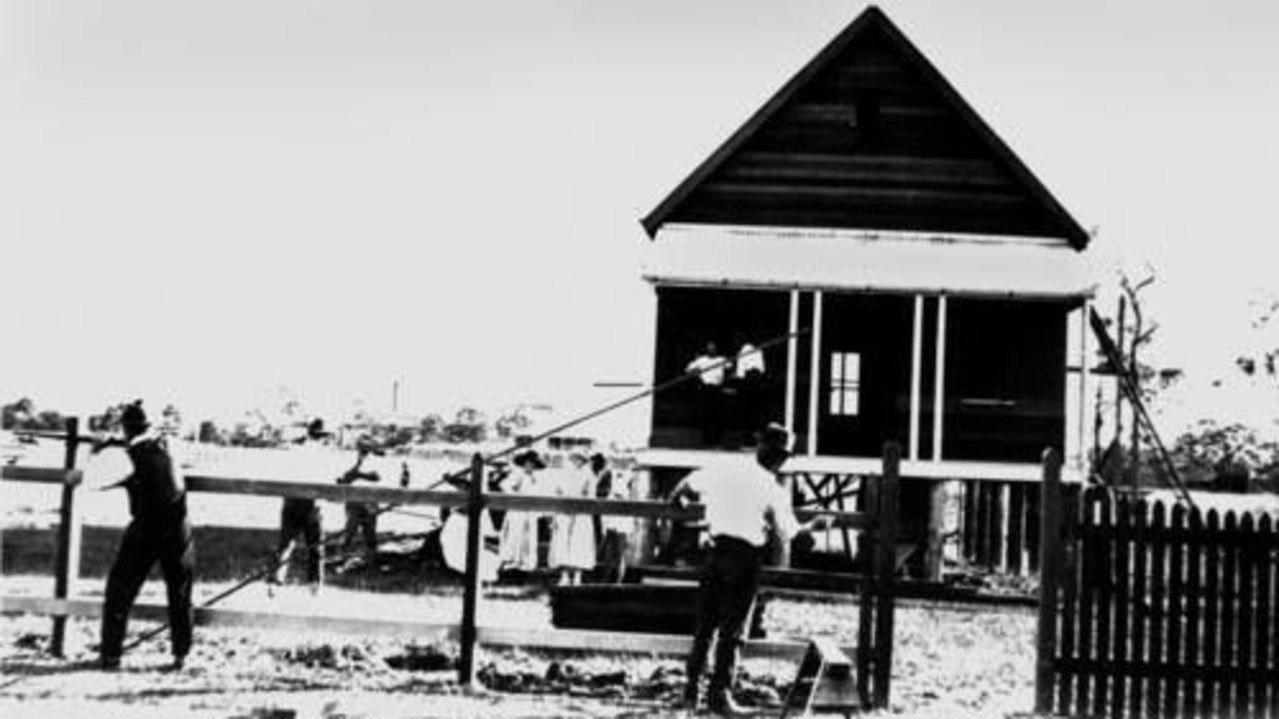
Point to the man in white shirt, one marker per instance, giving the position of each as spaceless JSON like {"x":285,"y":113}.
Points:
{"x":742,"y":509}
{"x":748,"y":379}
{"x":710,"y":368}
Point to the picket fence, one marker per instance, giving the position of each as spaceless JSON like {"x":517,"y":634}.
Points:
{"x":1151,"y":611}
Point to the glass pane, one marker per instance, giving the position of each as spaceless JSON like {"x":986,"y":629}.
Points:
{"x":850,"y":402}
{"x":836,"y":368}
{"x":835,"y":399}
{"x":853,"y":368}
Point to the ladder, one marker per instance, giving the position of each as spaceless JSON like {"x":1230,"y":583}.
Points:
{"x":824,"y":683}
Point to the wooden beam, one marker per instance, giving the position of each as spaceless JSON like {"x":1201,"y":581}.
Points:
{"x":41,"y":475}
{"x":496,"y":636}
{"x":66,"y":564}
{"x":907,"y":196}
{"x":239,"y":618}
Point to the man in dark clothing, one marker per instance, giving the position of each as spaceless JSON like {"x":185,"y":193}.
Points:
{"x":300,"y":518}
{"x":361,"y":517}
{"x":158,"y":531}
{"x":744,"y":506}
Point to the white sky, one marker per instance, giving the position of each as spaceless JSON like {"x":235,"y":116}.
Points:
{"x":203,"y":201}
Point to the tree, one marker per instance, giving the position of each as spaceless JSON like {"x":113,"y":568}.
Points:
{"x":467,"y":426}
{"x":17,"y":414}
{"x":431,"y":427}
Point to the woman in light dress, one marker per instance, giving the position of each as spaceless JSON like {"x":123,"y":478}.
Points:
{"x":518,"y":545}
{"x":572,"y":548}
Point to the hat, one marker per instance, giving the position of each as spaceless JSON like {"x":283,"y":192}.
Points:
{"x":529,"y":458}
{"x":315,"y":428}
{"x":134,"y":416}
{"x":776,"y":436}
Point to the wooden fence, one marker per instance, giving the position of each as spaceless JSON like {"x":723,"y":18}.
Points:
{"x":1151,"y":612}
{"x":999,"y":524}
{"x":873,"y":654}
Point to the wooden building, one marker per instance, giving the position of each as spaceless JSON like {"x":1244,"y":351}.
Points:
{"x":909,"y":278}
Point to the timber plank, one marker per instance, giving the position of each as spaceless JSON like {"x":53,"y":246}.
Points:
{"x":1176,"y":590}
{"x":1229,"y":623}
{"x":1016,"y":527}
{"x":1193,"y":653}
{"x":1123,"y":607}
{"x":1264,"y":648}
{"x":1104,"y":600}
{"x":1212,"y":597}
{"x":1158,"y":614}
{"x":1069,"y":598}
{"x":1244,"y":690}
{"x":1087,"y":598}
{"x":1140,"y":604}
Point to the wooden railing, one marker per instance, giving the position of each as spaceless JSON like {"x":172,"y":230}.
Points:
{"x":877,"y":590}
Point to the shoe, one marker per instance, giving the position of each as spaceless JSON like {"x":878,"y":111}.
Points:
{"x":109,"y":664}
{"x":177,"y":665}
{"x":722,"y":704}
{"x":688,"y":702}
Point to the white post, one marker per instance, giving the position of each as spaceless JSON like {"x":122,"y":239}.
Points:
{"x":916,"y":335}
{"x":815,"y":374}
{"x":792,"y":355}
{"x":939,"y":385}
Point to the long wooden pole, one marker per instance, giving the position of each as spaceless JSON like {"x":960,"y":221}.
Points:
{"x":471,"y":595}
{"x":67,"y":559}
{"x":1050,"y":552}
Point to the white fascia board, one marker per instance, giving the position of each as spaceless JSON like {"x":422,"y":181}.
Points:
{"x":924,"y":263}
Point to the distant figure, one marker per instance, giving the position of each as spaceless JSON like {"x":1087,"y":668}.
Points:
{"x":300,"y":520}
{"x":742,"y":510}
{"x":710,"y":368}
{"x":518,"y":546}
{"x":361,"y":517}
{"x":748,"y":377}
{"x":572,"y":549}
{"x":158,"y":531}
{"x":614,"y":530}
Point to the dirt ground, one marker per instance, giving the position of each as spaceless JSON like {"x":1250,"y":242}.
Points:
{"x":949,"y":662}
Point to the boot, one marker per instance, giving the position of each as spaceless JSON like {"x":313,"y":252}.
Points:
{"x":721,"y":703}
{"x":689,"y":701}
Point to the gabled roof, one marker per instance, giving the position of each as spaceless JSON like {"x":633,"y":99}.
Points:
{"x":869,"y":136}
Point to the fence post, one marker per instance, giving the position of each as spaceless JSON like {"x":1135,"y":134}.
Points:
{"x":471,"y":593}
{"x":885,"y":571}
{"x":67,"y":558}
{"x":1050,"y":550}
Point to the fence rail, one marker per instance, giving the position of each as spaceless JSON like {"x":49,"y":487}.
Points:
{"x":876,"y":591}
{"x":1151,"y":612}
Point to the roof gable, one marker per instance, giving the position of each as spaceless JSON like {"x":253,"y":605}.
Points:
{"x":869,"y":135}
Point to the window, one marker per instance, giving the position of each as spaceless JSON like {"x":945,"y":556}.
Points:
{"x":845,"y":383}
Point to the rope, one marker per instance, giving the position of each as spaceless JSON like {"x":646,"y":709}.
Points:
{"x":275,"y":560}
{"x":683,"y":377}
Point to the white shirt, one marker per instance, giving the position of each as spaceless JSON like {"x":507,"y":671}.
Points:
{"x":749,"y":358}
{"x":710,"y":369}
{"x":739,"y":502}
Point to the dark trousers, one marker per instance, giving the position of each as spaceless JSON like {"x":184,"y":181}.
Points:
{"x":171,"y":544}
{"x":300,"y":518}
{"x":730,"y":579}
{"x":361,"y":518}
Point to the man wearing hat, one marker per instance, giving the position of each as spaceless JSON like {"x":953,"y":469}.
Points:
{"x":300,"y":520}
{"x":158,"y":531}
{"x":743,"y":507}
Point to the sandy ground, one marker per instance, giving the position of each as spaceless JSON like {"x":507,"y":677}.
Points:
{"x":949,"y":663}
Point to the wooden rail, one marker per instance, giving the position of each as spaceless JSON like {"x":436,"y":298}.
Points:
{"x":877,"y":594}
